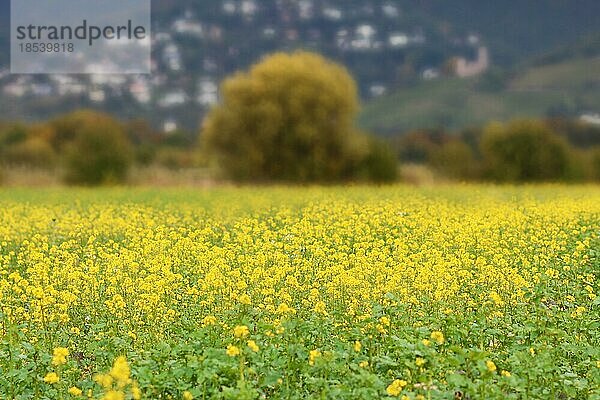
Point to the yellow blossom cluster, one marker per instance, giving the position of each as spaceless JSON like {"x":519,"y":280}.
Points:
{"x":246,"y":267}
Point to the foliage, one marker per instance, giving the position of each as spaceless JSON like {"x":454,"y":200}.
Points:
{"x":33,"y":151}
{"x":453,"y":103}
{"x":97,"y":151}
{"x":381,"y":163}
{"x":10,"y":135}
{"x":524,"y":151}
{"x":290,"y":118}
{"x":455,"y":159}
{"x":335,"y":293}
{"x":595,"y":155}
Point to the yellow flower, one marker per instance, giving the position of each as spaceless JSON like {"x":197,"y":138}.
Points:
{"x":395,"y":388}
{"x":245,"y":299}
{"x":426,"y":342}
{"x":320,"y":308}
{"x":104,"y":380}
{"x":363,"y":364}
{"x":59,"y":356}
{"x":438,"y":337}
{"x":312,"y":356}
{"x":75,"y":391}
{"x":120,"y":371}
{"x":136,"y":393}
{"x":357,"y":346}
{"x":51,"y":378}
{"x":420,"y":361}
{"x":384,"y":321}
{"x":490,"y":366}
{"x":114,"y":395}
{"x":241,"y":331}
{"x":505,"y":374}
{"x":232,"y":351}
{"x":209,"y":320}
{"x":188,"y":396}
{"x":253,"y":346}
{"x":285,"y":309}
{"x":496,"y":298}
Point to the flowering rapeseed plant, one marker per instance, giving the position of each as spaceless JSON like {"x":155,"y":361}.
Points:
{"x":342,"y":293}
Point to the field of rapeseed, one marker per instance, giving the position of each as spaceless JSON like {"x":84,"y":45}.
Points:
{"x":333,"y":293}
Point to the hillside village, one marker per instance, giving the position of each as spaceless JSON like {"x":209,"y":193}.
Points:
{"x":382,"y":44}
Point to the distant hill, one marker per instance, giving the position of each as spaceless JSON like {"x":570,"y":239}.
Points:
{"x":517,"y":29}
{"x":514,"y":29}
{"x":386,"y":44}
{"x":565,"y":88}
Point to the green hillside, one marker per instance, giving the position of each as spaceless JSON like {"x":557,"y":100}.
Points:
{"x":566,"y":87}
{"x":516,"y":29}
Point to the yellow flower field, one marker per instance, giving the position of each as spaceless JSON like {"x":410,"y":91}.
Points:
{"x":477,"y":292}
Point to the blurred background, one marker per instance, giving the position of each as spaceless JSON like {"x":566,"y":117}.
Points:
{"x":460,"y":90}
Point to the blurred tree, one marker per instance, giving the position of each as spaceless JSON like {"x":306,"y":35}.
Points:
{"x":289,"y":118}
{"x":524,"y":150}
{"x":595,"y":163}
{"x":417,"y":146}
{"x":381,"y":164}
{"x":455,"y":160}
{"x":12,"y":134}
{"x":577,"y":132}
{"x":98,"y":152}
{"x":144,"y":139}
{"x":33,"y":152}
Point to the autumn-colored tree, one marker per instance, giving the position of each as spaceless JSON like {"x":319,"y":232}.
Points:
{"x":290,"y":118}
{"x":32,"y":152}
{"x":97,"y":150}
{"x":524,"y":151}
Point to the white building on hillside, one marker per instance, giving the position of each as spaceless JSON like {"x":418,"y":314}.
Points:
{"x":465,"y":69}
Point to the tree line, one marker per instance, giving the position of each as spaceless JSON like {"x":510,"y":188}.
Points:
{"x":291,"y":119}
{"x":517,"y":151}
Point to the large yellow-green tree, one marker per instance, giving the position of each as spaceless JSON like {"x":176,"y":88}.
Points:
{"x":289,"y":118}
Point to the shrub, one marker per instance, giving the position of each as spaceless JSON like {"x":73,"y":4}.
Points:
{"x":11,"y":135}
{"x":99,"y":151}
{"x":381,"y":164}
{"x":290,"y":118}
{"x":523,"y":151}
{"x":455,"y":160}
{"x":595,"y":163}
{"x":33,"y":152}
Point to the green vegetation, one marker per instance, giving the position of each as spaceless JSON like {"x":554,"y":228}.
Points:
{"x":516,"y":29}
{"x":290,"y":118}
{"x":563,"y":88}
{"x":98,"y":151}
{"x":337,"y":293}
{"x":524,"y":151}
